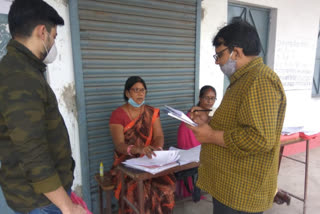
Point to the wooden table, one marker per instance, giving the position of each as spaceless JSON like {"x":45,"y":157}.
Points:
{"x":139,"y":177}
{"x":306,"y":162}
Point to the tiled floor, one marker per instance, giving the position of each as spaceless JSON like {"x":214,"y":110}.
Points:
{"x":187,"y":206}
{"x":291,"y":178}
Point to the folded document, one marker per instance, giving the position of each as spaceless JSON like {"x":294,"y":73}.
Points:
{"x":179,"y":115}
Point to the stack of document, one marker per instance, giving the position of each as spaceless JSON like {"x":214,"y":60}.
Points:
{"x":188,"y":156}
{"x":299,"y":129}
{"x":162,"y":161}
{"x":291,"y":130}
{"x":179,"y":115}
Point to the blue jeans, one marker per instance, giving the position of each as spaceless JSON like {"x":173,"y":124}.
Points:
{"x":49,"y":209}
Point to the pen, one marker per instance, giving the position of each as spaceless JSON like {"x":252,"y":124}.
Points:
{"x":202,"y":110}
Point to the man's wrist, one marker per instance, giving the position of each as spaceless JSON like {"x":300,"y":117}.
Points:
{"x":67,"y":206}
{"x":61,"y":199}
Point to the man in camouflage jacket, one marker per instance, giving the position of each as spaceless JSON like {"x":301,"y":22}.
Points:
{"x":36,"y":164}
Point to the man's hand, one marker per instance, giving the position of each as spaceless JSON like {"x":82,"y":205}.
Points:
{"x":199,"y":116}
{"x":62,"y":200}
{"x":75,"y":209}
{"x":201,"y":132}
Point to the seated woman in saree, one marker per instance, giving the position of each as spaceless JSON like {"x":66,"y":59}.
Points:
{"x":136,"y":131}
{"x":187,"y":140}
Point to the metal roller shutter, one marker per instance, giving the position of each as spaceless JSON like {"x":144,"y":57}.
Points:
{"x":154,"y":39}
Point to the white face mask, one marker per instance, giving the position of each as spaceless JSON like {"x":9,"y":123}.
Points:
{"x":229,"y":67}
{"x":51,"y":55}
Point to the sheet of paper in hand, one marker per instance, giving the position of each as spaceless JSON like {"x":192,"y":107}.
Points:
{"x":179,"y":115}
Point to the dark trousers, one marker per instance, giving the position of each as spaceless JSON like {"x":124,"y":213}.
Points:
{"x":219,"y":208}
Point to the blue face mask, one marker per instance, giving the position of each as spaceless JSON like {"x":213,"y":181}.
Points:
{"x":229,"y":67}
{"x":134,"y":104}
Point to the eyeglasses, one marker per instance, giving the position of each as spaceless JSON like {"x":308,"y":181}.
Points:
{"x":209,"y":98}
{"x":137,"y":90}
{"x":219,"y":54}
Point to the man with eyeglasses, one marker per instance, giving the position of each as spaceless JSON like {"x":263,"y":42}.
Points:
{"x":240,"y":145}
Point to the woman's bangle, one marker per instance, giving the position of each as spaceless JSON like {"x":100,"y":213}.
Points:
{"x":129,"y":150}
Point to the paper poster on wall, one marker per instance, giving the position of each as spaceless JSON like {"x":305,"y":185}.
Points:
{"x":293,"y":64}
{"x":4,"y":34}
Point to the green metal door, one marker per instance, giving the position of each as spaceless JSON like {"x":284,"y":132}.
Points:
{"x":316,"y":75}
{"x":257,"y":17}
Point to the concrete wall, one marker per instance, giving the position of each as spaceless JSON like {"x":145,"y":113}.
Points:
{"x":61,"y":79}
{"x":292,"y":48}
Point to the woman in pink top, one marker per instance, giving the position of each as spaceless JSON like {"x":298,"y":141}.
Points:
{"x":186,"y":138}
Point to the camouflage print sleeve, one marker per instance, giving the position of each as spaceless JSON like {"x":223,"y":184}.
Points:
{"x":23,"y":104}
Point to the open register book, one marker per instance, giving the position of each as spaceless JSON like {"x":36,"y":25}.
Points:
{"x":179,"y":115}
{"x":164,"y":160}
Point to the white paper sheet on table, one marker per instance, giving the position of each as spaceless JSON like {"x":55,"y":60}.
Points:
{"x":188,"y":156}
{"x":164,"y":160}
{"x":297,"y":129}
{"x":291,"y":130}
{"x":155,"y":169}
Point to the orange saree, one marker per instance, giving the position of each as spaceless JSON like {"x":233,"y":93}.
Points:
{"x":158,"y":192}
